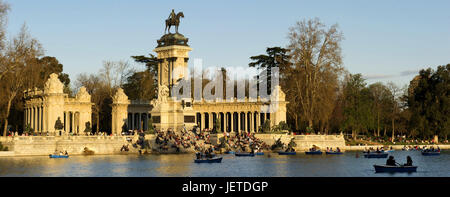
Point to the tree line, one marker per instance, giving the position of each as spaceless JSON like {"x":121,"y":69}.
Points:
{"x":323,"y":96}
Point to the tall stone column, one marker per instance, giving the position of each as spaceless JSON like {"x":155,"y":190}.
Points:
{"x":202,"y":119}
{"x":139,"y":121}
{"x":120,"y":112}
{"x":211,"y":120}
{"x":41,"y":122}
{"x":238,"y":122}
{"x":258,"y":121}
{"x":72,"y":122}
{"x":37,"y":119}
{"x":232,"y":121}
{"x":65,"y":121}
{"x":33,"y":117}
{"x":53,"y":90}
{"x":250,"y":117}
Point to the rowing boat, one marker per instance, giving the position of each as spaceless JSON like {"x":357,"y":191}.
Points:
{"x":333,"y":153}
{"x":286,"y":153}
{"x":386,"y":168}
{"x":58,"y":156}
{"x":317,"y":152}
{"x":209,"y":160}
{"x":244,"y":154}
{"x":376,"y":155}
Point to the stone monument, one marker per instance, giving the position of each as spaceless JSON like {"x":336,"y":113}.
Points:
{"x":172,"y":53}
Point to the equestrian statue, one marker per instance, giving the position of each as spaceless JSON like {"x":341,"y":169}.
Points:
{"x":173,"y":20}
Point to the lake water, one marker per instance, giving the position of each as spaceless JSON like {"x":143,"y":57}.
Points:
{"x":300,"y":165}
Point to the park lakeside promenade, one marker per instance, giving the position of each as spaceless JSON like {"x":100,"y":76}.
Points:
{"x":111,"y":145}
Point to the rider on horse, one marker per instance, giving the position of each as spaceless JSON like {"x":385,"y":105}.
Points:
{"x":173,"y":20}
{"x":172,"y":15}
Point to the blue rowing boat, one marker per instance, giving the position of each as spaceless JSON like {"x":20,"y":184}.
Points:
{"x":229,"y":152}
{"x":209,"y":160}
{"x":287,"y":153}
{"x":244,"y":154}
{"x":333,"y":153}
{"x":385,"y":168}
{"x":317,"y":152}
{"x":58,"y":156}
{"x":376,"y":155}
{"x":430,"y":153}
{"x":259,"y":153}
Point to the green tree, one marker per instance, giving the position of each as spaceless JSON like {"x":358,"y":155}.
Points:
{"x":357,"y":105}
{"x":380,"y":95}
{"x":142,"y":85}
{"x":429,"y":102}
{"x":315,"y":54}
{"x":276,"y":57}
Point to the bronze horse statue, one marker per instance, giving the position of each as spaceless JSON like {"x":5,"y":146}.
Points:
{"x":174,"y":22}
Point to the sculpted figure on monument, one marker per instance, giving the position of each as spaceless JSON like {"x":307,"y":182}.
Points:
{"x":83,"y":95}
{"x":120,"y":96}
{"x":173,"y":20}
{"x":163,"y":93}
{"x":53,"y":85}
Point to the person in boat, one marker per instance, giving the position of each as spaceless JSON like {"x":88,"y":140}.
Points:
{"x":198,"y":155}
{"x":338,"y":150}
{"x":65,"y":153}
{"x":409,"y":161}
{"x":390,"y":161}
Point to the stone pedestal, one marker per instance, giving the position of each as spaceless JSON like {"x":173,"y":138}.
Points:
{"x":171,"y":114}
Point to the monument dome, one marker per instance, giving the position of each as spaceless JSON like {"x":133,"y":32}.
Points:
{"x":172,"y":39}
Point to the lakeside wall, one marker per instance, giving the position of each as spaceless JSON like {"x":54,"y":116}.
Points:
{"x":74,"y":145}
{"x":304,"y":142}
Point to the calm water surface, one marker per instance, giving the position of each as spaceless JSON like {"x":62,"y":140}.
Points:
{"x":300,"y":165}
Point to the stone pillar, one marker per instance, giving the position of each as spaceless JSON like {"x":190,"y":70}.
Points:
{"x":211,"y":120}
{"x":34,"y":118}
{"x":257,"y":121}
{"x":250,"y":118}
{"x":73,"y":122}
{"x":225,"y":122}
{"x":232,"y":121}
{"x":239,"y":122}
{"x":202,"y":118}
{"x":41,"y":121}
{"x":44,"y":126}
{"x":65,"y":121}
{"x":120,"y":112}
{"x":140,"y":121}
{"x":244,"y":121}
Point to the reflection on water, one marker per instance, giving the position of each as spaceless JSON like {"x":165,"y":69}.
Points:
{"x":299,"y":165}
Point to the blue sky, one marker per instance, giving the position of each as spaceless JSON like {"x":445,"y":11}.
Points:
{"x":384,"y":40}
